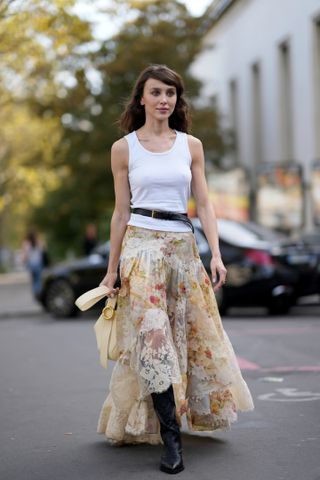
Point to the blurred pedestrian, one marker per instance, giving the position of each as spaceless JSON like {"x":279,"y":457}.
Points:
{"x":35,"y":258}
{"x":90,"y":238}
{"x":175,"y":357}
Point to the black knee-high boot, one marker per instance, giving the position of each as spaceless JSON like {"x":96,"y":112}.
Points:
{"x":165,"y":408}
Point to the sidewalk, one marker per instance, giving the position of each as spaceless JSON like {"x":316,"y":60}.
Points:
{"x":16,"y":297}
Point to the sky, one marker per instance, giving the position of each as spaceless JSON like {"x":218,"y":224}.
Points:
{"x":197,"y":7}
{"x":85,"y":8}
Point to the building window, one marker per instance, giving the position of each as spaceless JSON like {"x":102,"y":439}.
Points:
{"x":316,"y":54}
{"x":256,"y":114}
{"x":285,"y":103}
{"x":234,"y":116}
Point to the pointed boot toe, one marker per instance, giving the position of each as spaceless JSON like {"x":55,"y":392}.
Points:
{"x":169,"y":467}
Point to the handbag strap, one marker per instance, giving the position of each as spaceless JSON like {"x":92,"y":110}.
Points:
{"x":89,"y":298}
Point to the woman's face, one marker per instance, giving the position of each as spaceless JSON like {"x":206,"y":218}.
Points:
{"x":159,"y":99}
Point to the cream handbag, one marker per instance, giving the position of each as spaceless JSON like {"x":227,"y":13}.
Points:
{"x":106,"y":326}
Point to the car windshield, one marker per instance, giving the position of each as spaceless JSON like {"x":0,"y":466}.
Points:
{"x":246,"y":234}
{"x":264,"y":233}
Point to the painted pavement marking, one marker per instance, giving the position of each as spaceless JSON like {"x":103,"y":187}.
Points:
{"x":289,"y":395}
{"x":246,"y":364}
{"x":275,"y":330}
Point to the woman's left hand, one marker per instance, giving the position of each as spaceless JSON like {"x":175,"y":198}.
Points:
{"x":218,"y":268}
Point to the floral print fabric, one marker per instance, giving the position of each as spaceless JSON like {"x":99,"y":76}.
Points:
{"x":169,"y":331}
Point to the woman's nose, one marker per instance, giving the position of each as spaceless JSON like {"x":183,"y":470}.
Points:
{"x":163,"y":99}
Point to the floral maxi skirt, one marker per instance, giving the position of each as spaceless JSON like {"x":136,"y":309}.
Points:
{"x":169,"y":331}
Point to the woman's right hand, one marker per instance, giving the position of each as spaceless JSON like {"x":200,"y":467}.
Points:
{"x":109,"y":280}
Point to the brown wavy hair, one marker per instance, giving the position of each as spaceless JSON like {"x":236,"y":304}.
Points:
{"x":133,"y":116}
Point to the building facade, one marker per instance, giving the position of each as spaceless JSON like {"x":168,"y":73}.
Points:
{"x":261,"y":63}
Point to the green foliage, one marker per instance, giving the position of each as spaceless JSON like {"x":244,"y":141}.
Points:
{"x":38,"y":40}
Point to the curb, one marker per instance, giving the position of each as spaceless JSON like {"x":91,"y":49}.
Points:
{"x":14,"y":278}
{"x":7,"y":315}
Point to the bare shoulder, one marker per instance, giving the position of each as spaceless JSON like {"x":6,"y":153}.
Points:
{"x":119,"y":153}
{"x":195,"y":146}
{"x":120,"y":146}
{"x":194,"y":141}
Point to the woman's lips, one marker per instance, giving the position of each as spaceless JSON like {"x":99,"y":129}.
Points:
{"x":163,"y":110}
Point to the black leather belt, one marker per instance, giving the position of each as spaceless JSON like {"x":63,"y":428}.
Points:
{"x":183,"y":217}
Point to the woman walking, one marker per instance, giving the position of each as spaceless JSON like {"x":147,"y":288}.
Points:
{"x":175,"y":356}
{"x":35,"y":258}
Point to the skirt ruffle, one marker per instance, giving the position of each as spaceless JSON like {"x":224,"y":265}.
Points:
{"x":169,"y":331}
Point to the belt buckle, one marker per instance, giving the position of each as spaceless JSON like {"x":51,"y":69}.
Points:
{"x":152,"y":213}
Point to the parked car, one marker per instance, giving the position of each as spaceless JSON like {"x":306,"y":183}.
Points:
{"x":301,"y":254}
{"x":255,"y":275}
{"x":264,"y":269}
{"x":307,"y":264}
{"x":64,"y":282}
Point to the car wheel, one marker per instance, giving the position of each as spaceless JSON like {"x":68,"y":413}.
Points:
{"x":220,"y":297}
{"x":60,"y":299}
{"x":280,"y":306}
{"x":223,"y":309}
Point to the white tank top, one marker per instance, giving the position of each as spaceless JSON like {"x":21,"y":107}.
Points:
{"x":159,"y":181}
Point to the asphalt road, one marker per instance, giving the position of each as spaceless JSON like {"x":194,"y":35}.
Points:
{"x":52,"y":389}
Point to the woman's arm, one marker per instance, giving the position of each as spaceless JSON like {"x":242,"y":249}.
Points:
{"x":205,"y":210}
{"x":121,"y":213}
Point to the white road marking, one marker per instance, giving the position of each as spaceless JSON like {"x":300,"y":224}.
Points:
{"x":290,"y":395}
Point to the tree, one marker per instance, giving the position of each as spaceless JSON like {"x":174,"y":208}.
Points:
{"x":69,"y":91}
{"x":158,"y":31}
{"x":38,"y":43}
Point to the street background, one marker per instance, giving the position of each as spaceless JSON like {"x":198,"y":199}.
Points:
{"x":251,"y":70}
{"x":52,"y":389}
